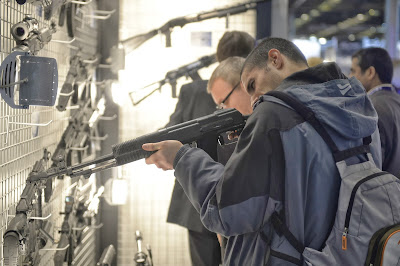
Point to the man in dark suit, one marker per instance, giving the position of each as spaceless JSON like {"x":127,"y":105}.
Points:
{"x":373,"y":67}
{"x":195,"y":102}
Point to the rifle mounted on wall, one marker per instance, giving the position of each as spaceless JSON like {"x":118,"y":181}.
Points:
{"x":134,"y":42}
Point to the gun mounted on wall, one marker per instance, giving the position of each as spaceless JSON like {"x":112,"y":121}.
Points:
{"x":134,"y":42}
{"x":26,"y":234}
{"x":189,"y":70}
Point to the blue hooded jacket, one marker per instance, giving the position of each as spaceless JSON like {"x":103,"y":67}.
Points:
{"x":281,"y":164}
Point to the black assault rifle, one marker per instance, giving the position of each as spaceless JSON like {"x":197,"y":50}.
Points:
{"x":129,"y":151}
{"x":25,"y":234}
{"x":189,"y":70}
{"x":134,"y":42}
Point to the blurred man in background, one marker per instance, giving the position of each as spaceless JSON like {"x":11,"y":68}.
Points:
{"x":373,"y":67}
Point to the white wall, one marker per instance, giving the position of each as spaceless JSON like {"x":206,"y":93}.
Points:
{"x":150,"y":188}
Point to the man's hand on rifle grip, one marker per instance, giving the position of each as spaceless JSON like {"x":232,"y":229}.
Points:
{"x":165,"y":155}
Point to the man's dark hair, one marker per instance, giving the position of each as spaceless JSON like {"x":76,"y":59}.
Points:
{"x":377,"y":57}
{"x":258,"y":57}
{"x":234,"y":43}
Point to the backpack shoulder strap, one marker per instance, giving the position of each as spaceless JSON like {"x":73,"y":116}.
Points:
{"x":309,"y":116}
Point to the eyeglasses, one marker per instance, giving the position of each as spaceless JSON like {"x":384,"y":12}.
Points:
{"x":222,"y":104}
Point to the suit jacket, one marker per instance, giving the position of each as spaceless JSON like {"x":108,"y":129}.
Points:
{"x":387,"y":105}
{"x":193,"y":102}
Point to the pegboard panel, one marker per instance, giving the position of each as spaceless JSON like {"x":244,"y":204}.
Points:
{"x":21,"y":143}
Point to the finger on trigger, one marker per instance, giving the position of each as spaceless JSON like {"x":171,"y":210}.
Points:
{"x":150,"y":146}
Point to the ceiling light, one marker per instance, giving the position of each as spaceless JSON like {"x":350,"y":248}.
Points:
{"x":305,"y":17}
{"x":322,"y":41}
{"x":315,"y":13}
{"x":324,"y":7}
{"x":361,"y":17}
{"x":371,"y":12}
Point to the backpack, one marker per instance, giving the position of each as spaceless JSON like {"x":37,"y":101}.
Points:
{"x":366,"y":229}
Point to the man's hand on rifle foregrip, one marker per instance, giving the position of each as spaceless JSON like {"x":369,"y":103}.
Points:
{"x":165,"y":155}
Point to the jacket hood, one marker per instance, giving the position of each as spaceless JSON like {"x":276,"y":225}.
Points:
{"x":339,"y":103}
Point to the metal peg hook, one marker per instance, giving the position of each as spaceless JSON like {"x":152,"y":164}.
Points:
{"x":81,"y":3}
{"x":66,"y":42}
{"x":72,"y":107}
{"x":7,"y":117}
{"x":103,"y":14}
{"x":73,"y":47}
{"x":79,"y":148}
{"x":96,"y":227}
{"x":88,"y":61}
{"x":108,"y":118}
{"x":78,"y":228}
{"x":85,"y":187}
{"x":71,"y":187}
{"x":40,"y":218}
{"x":55,"y":249}
{"x":100,"y":138}
{"x":32,"y":124}
{"x":33,"y":218}
{"x":66,"y":94}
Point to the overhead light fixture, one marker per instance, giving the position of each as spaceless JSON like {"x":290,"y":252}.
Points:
{"x":314,"y":13}
{"x":360,"y":17}
{"x":345,"y":24}
{"x":351,"y":37}
{"x":325,"y":6}
{"x":322,"y":41}
{"x":371,"y":12}
{"x":305,"y":17}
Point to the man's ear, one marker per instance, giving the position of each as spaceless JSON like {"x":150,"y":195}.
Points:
{"x":370,"y":72}
{"x":275,"y":58}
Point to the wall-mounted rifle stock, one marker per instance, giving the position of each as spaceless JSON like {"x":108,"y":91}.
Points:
{"x":134,"y":42}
